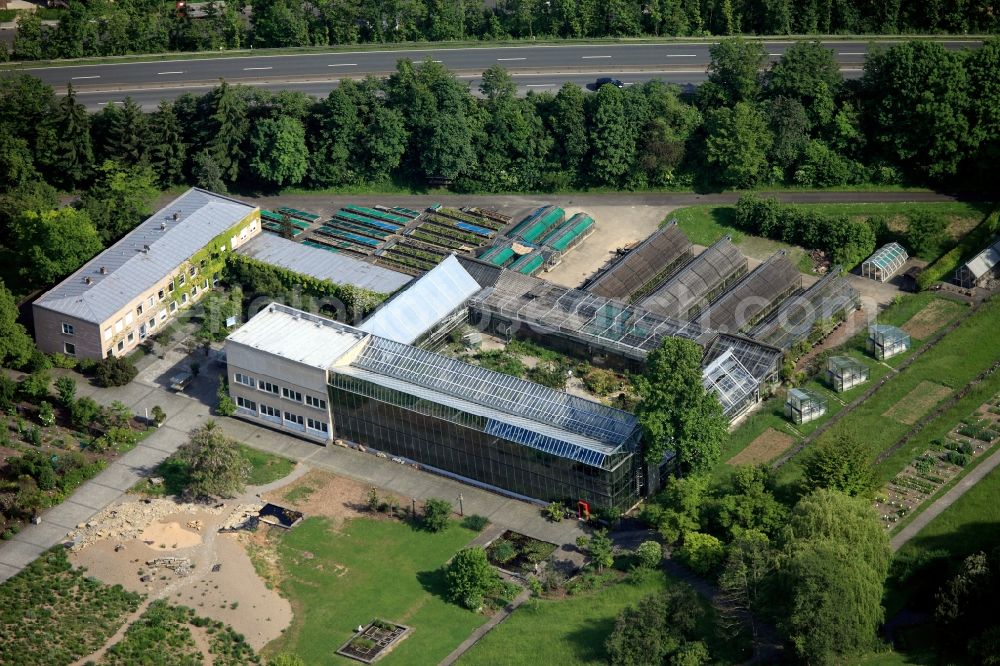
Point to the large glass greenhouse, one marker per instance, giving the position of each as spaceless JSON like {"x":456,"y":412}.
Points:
{"x":886,"y":262}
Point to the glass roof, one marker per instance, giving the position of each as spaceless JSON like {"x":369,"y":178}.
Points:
{"x":497,"y":391}
{"x":889,"y":257}
{"x":730,"y":381}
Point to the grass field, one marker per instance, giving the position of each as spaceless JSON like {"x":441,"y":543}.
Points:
{"x":572,"y":630}
{"x":706,"y":224}
{"x":336,"y":580}
{"x":265,"y":467}
{"x":953,"y":362}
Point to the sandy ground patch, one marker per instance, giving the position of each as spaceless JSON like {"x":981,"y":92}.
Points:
{"x":925,"y":323}
{"x":233,"y":594}
{"x":320,"y":493}
{"x":169,"y":536}
{"x":917,"y":402}
{"x":857,"y":321}
{"x":767,"y":446}
{"x":617,"y":226}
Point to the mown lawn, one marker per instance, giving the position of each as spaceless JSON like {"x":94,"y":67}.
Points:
{"x":953,"y":362}
{"x":572,"y":630}
{"x":336,"y":580}
{"x":265,"y":467}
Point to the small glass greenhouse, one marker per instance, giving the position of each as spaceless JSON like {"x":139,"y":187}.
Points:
{"x":844,"y":372}
{"x":886,"y":341}
{"x":803,"y":406}
{"x":885,"y":262}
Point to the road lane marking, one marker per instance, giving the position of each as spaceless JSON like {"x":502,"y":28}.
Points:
{"x":84,"y":77}
{"x":251,"y":69}
{"x":776,"y":54}
{"x":592,"y":57}
{"x":502,"y":59}
{"x":540,"y":85}
{"x":162,"y":73}
{"x":344,"y":64}
{"x":682,"y":55}
{"x":852,"y":53}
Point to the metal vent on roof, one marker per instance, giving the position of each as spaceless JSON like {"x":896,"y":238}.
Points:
{"x":104,"y":270}
{"x":177,"y":216}
{"x":87,"y":280}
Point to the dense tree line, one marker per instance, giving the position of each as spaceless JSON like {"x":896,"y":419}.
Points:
{"x":147,"y":26}
{"x":912,"y":117}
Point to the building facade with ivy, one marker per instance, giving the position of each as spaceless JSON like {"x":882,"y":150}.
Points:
{"x":135,"y":287}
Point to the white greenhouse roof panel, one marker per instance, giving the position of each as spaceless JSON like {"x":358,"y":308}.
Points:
{"x":428,"y":300}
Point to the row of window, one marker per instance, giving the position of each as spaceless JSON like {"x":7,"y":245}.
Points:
{"x":274,"y":389}
{"x":290,"y":418}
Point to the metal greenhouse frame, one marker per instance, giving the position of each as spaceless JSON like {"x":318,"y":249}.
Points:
{"x":844,"y":372}
{"x":645,"y":267}
{"x":732,"y":383}
{"x":791,"y":323}
{"x":885,"y":341}
{"x":754,"y":297}
{"x":709,"y":274}
{"x":885,"y":262}
{"x":983,"y":265}
{"x":803,"y":406}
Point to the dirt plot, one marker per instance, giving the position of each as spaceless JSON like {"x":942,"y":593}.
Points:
{"x":926,"y":322}
{"x":320,"y":493}
{"x":765,"y":447}
{"x":917,"y":402}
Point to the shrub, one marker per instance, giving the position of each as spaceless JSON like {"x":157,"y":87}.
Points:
{"x":926,"y":233}
{"x":555,"y":511}
{"x":648,"y":555}
{"x":115,"y":371}
{"x":159,"y":416}
{"x":702,"y":553}
{"x":475,"y":522}
{"x":8,"y":392}
{"x":960,"y":459}
{"x":84,"y":412}
{"x":66,"y":390}
{"x":226,"y":406}
{"x":62,"y":361}
{"x":549,"y":373}
{"x":46,"y":415}
{"x":437,"y":515}
{"x":470,"y":578}
{"x":502,"y":551}
{"x":36,"y":385}
{"x":601,"y":382}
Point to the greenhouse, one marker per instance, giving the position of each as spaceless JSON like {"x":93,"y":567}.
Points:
{"x":538,"y":223}
{"x":803,"y":406}
{"x":646,"y":267}
{"x":709,"y":274}
{"x":762,"y":361}
{"x":886,"y":262}
{"x":754,"y":297}
{"x":980,"y":268}
{"x":735,"y":387}
{"x":831,"y":297}
{"x":844,"y":372}
{"x":886,"y":341}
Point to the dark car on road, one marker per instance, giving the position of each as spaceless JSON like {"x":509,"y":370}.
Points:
{"x":608,"y":80}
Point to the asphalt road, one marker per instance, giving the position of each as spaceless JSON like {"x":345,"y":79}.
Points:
{"x":533,"y":67}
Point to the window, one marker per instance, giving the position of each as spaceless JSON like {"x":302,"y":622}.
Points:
{"x":267,"y":386}
{"x":138,"y":309}
{"x":142,"y":332}
{"x":68,"y":329}
{"x":293,"y":418}
{"x":291,"y":395}
{"x":270,"y":411}
{"x":121,"y":345}
{"x":110,"y":352}
{"x":246,"y":380}
{"x":181,"y":280}
{"x":246,"y":404}
{"x":318,"y":403}
{"x":107,"y":334}
{"x":173,"y":306}
{"x":170,"y":287}
{"x":194,"y":290}
{"x":316,"y":425}
{"x":193,"y":271}
{"x":204,"y":285}
{"x":152,"y":323}
{"x":149,"y":301}
{"x":131,"y":336}
{"x":162,"y":294}
{"x":215,"y":279}
{"x":163,"y":314}
{"x":69,"y":348}
{"x":184,"y":299}
{"x":129,"y":319}
{"x":119,"y":326}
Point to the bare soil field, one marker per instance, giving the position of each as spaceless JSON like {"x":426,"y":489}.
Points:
{"x":767,"y":446}
{"x":617,"y":226}
{"x":917,"y":402}
{"x":319,"y":493}
{"x":926,"y":322}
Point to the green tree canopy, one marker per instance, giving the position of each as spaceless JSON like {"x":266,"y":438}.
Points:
{"x":167,"y":147}
{"x":733,"y":73}
{"x":121,"y":198}
{"x":52,"y":244}
{"x":64,"y":145}
{"x":737,"y":144}
{"x":471,"y":578}
{"x":15,"y":344}
{"x":840,"y":462}
{"x":807,"y":73}
{"x":279,"y":154}
{"x":215,"y":466}
{"x":612,"y":142}
{"x":661,"y":629}
{"x":676,"y":412}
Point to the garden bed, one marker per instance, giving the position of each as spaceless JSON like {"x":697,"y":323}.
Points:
{"x":517,"y":553}
{"x":374,"y":641}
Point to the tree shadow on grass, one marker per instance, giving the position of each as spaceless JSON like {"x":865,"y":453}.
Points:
{"x":587,"y":643}
{"x":434,"y":582}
